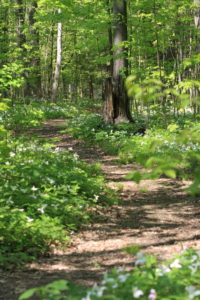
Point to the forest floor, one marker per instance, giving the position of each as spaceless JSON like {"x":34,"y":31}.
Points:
{"x":157,"y":215}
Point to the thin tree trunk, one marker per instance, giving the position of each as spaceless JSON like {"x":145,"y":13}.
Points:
{"x":35,"y":85}
{"x":58,"y":62}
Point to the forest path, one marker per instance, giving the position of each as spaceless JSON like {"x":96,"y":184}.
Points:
{"x":157,"y":215}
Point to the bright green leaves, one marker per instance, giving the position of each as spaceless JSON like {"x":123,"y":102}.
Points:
{"x":10,"y":75}
{"x":54,"y":289}
{"x":43,"y":191}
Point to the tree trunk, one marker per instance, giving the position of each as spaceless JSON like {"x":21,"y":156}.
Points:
{"x":91,"y":87}
{"x":4,"y":36}
{"x":35,"y":76}
{"x":197,"y":13}
{"x":117,"y":103}
{"x":58,"y":62}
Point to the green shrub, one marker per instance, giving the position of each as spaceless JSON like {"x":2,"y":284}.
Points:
{"x":44,"y":190}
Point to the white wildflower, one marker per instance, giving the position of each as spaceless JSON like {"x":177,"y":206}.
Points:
{"x":76,"y":156}
{"x":29,"y":219}
{"x":192,"y":291}
{"x":123,"y":277}
{"x":96,"y":197}
{"x":162,"y":270}
{"x":176,"y":264}
{"x":42,"y":208}
{"x":70,"y":149}
{"x":87,"y":296}
{"x":136,"y":292}
{"x":106,"y":280}
{"x":57,"y":149}
{"x":140,"y":258}
{"x":152,"y":295}
{"x":12,"y":154}
{"x":34,"y":188}
{"x":51,"y":181}
{"x":100,"y":291}
{"x":194,"y":267}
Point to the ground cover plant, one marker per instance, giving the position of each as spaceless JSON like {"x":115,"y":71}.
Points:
{"x":45,"y":193}
{"x":178,"y":278}
{"x":171,"y":149}
{"x":20,"y":116}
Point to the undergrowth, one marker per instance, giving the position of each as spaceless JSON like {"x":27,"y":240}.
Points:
{"x":171,"y":149}
{"x":45,"y":192}
{"x":167,"y":280}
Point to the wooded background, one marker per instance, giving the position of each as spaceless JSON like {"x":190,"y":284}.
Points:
{"x":76,"y":49}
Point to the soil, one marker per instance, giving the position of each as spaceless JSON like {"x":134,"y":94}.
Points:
{"x":159,"y":216}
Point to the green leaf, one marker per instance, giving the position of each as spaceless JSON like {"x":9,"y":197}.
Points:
{"x":133,"y":250}
{"x":27,"y":294}
{"x":135,"y":176}
{"x":170,"y":173}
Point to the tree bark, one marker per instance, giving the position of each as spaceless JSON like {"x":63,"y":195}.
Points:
{"x":58,"y":62}
{"x":197,"y":13}
{"x":117,"y":108}
{"x":35,"y":80}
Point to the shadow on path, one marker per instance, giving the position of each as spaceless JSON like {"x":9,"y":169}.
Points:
{"x":156,"y":215}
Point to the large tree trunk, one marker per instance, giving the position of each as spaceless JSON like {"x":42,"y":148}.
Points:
{"x":117,"y":103}
{"x":120,"y":63}
{"x":58,"y":62}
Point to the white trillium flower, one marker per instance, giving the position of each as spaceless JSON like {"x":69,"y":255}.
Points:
{"x":136,"y":292}
{"x":76,"y":156}
{"x":34,"y":188}
{"x":87,"y":297}
{"x":42,"y":208}
{"x":12,"y":154}
{"x":152,"y":295}
{"x":176,"y":264}
{"x":141,"y":258}
{"x":123,"y":277}
{"x":194,"y":267}
{"x":162,"y":270}
{"x":106,"y":280}
{"x":100,"y":291}
{"x":192,"y":291}
{"x":29,"y":219}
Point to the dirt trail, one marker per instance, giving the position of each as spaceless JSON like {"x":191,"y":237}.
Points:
{"x":157,"y":215}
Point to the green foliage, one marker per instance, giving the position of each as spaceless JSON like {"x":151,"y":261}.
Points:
{"x":10,"y":76}
{"x":175,"y":279}
{"x":22,"y":116}
{"x":92,"y":129}
{"x":170,"y":148}
{"x":44,"y":190}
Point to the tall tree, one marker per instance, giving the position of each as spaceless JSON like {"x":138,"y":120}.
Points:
{"x":58,"y":62}
{"x":34,"y":55}
{"x":117,"y":103}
